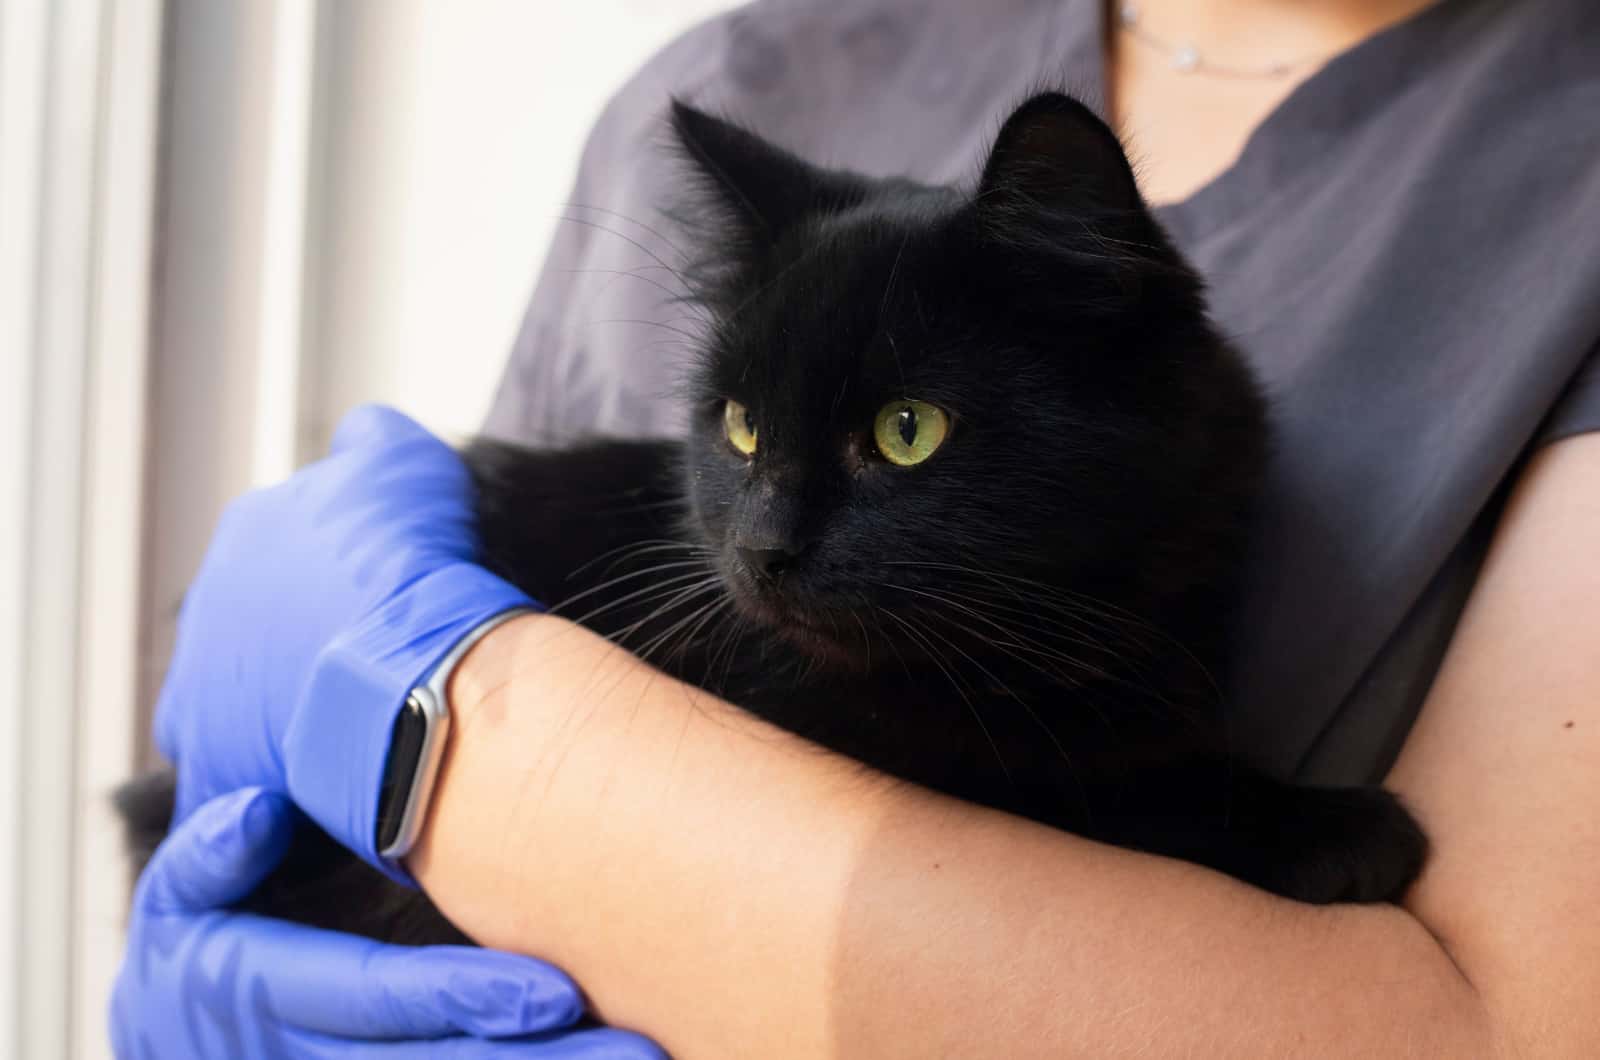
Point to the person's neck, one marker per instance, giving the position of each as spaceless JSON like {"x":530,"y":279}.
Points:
{"x":1263,"y":32}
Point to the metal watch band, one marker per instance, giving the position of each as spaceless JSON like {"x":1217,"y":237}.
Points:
{"x":417,"y":746}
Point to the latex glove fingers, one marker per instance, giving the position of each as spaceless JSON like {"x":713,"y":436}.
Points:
{"x":203,"y":981}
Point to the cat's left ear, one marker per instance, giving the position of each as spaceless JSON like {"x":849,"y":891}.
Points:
{"x":1053,"y":153}
{"x":765,"y":187}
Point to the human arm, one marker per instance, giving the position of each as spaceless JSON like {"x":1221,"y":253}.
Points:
{"x":833,"y":912}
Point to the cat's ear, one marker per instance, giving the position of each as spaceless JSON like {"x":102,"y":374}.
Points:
{"x":766,"y":187}
{"x":1054,"y":153}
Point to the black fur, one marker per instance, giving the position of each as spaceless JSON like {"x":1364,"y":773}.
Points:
{"x":1033,"y":618}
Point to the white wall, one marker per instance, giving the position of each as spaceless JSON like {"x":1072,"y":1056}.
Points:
{"x":455,"y":132}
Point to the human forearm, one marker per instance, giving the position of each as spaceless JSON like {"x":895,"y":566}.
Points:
{"x":667,"y":848}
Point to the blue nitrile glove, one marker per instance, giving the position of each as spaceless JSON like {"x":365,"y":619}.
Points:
{"x":321,"y":603}
{"x":201,"y":982}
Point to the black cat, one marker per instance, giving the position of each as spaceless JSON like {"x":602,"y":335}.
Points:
{"x":963,"y":497}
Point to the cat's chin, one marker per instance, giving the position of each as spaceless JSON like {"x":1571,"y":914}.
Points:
{"x":825,"y":647}
{"x":832,"y":641}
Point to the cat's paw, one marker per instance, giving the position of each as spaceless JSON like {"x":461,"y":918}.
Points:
{"x":1348,"y":845}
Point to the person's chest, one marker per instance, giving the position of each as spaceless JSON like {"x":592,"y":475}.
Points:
{"x":1187,"y":85}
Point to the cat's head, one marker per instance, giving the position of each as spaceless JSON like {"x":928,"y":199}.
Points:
{"x":925,"y":409}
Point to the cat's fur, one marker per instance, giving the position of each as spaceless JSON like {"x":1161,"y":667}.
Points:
{"x":1033,"y":618}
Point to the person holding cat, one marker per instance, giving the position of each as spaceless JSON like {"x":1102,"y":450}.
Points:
{"x":1381,"y":195}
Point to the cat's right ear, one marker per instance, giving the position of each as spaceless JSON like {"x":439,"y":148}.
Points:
{"x":766,"y":188}
{"x":1057,"y":184}
{"x":1055,"y":154}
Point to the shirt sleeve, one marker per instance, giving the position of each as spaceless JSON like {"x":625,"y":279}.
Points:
{"x":1578,"y":410}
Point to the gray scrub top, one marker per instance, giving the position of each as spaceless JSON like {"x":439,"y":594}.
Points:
{"x":1408,"y":249}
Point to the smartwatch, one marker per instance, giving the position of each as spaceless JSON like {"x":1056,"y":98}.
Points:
{"x":416,"y":746}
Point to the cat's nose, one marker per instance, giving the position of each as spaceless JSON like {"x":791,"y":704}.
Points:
{"x":768,"y":562}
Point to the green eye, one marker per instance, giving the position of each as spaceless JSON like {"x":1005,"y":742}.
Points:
{"x":740,"y":427}
{"x":907,"y":432}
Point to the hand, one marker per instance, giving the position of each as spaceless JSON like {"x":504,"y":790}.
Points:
{"x":200,"y":981}
{"x":321,"y":602}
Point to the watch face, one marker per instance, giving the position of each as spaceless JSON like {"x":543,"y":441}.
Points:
{"x":406,"y":741}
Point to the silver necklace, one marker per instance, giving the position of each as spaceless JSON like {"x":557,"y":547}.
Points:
{"x":1185,"y":58}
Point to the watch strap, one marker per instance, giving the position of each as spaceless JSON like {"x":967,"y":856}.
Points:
{"x":416,"y":747}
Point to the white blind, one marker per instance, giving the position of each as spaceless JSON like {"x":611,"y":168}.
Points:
{"x":79,"y":90}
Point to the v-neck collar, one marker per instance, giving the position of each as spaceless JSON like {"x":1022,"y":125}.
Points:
{"x":1339,"y":96}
